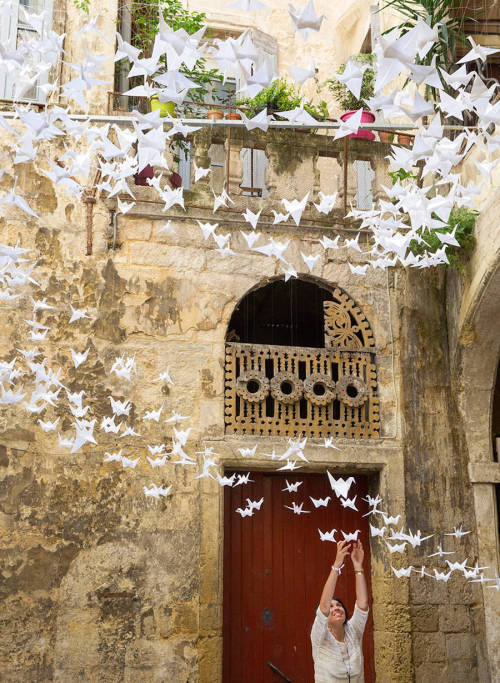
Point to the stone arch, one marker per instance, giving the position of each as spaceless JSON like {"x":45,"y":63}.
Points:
{"x":341,"y":315}
{"x":300,"y":359}
{"x":476,"y":356}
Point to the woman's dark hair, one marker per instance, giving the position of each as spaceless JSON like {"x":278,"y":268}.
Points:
{"x":345,"y":608}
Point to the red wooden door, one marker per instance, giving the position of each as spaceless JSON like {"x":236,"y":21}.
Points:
{"x":275,"y":566}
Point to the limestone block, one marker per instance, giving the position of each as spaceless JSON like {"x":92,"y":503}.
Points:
{"x":460,"y":592}
{"x":166,"y":256}
{"x":460,"y":646}
{"x":425,"y":618}
{"x":462,"y":672}
{"x":392,"y":618}
{"x":454,"y":618}
{"x":429,"y":671}
{"x":429,"y":647}
{"x":130,"y":228}
{"x":428,"y":592}
{"x":210,"y":659}
{"x":239,"y":263}
{"x":393,"y":659}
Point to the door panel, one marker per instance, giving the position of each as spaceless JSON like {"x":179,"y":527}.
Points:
{"x":275,"y":566}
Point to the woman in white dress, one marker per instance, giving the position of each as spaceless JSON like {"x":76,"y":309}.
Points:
{"x":337,"y":640}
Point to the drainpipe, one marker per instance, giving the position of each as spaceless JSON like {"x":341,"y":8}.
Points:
{"x":89,"y":200}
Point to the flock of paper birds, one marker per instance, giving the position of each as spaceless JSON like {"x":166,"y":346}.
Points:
{"x":120,"y":151}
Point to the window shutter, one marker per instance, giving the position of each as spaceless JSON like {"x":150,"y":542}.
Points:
{"x":12,"y":32}
{"x":8,"y":37}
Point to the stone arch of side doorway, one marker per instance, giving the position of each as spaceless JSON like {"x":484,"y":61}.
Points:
{"x":476,"y":370}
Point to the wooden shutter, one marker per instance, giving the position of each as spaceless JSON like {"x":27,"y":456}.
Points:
{"x":12,"y":31}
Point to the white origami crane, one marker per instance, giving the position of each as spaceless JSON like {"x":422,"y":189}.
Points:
{"x":79,"y":358}
{"x":396,"y":548}
{"x":300,"y":75}
{"x":326,"y":204}
{"x":327,"y":535}
{"x":402,"y":572}
{"x":310,"y":260}
{"x":305,"y":20}
{"x":320,"y":502}
{"x":200,"y":172}
{"x":352,"y":77}
{"x":290,"y":466}
{"x":377,"y":532}
{"x":164,"y":377}
{"x":351,"y":536}
{"x":349,"y":503}
{"x":247,"y":452}
{"x":340,"y":486}
{"x":291,"y":488}
{"x":245,"y":512}
{"x":260,"y":120}
{"x":251,"y":217}
{"x":295,"y":208}
{"x":297,"y":509}
{"x":441,"y":576}
{"x":226,"y":481}
{"x":350,"y":126}
{"x":390,"y":520}
{"x":243,"y":479}
{"x":477,"y":52}
{"x":457,"y":532}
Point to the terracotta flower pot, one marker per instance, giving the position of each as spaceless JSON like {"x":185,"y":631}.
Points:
{"x":233,"y":116}
{"x":386,"y":136}
{"x":404,"y":139}
{"x":215,"y":114}
{"x":166,"y":108}
{"x":144,"y":175}
{"x":366,"y":117}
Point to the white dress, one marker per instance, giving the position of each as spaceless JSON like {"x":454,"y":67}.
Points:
{"x":333,"y":660}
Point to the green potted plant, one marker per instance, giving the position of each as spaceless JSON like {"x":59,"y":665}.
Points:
{"x":348,"y":101}
{"x":461,"y":222}
{"x":145,"y":23}
{"x":280,"y":96}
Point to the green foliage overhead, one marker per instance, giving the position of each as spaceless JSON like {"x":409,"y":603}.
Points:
{"x":281,"y":96}
{"x":343,"y":95}
{"x":449,"y":15}
{"x":464,"y":220}
{"x":84,"y":5}
{"x":145,"y":21}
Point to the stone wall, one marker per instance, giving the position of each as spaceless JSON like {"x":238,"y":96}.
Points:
{"x":101,"y":583}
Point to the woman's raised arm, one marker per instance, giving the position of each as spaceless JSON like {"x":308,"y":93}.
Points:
{"x":331,"y":582}
{"x":357,"y":557}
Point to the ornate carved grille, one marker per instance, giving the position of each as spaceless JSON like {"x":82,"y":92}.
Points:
{"x":288,"y":391}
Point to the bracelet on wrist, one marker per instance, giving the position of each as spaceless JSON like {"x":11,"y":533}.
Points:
{"x":358,"y":571}
{"x":337,"y":569}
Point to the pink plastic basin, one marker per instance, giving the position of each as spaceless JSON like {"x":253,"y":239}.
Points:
{"x":366,"y":117}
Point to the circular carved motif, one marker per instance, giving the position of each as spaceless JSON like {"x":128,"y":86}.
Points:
{"x":319,"y":389}
{"x":252,"y":386}
{"x":352,"y":391}
{"x":286,"y":387}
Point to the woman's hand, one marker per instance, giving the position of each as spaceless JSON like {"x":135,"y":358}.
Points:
{"x":342,"y":550}
{"x":357,"y":555}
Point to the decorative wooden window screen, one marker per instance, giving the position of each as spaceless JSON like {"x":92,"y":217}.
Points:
{"x":288,"y":391}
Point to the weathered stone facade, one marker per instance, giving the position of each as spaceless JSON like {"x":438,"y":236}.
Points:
{"x":100,"y":584}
